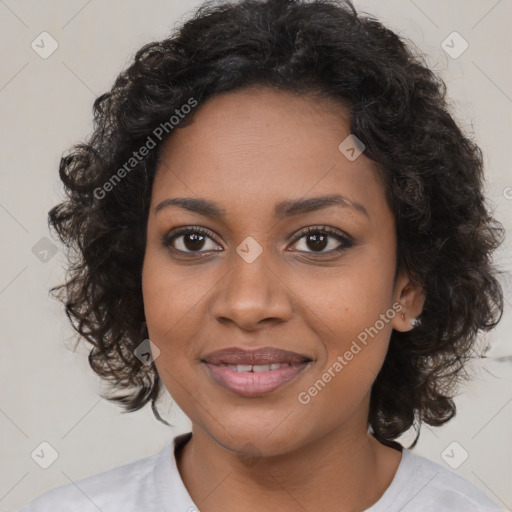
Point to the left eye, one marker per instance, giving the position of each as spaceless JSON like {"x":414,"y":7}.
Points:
{"x":319,"y":239}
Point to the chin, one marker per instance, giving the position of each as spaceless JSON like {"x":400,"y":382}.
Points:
{"x":253,"y":441}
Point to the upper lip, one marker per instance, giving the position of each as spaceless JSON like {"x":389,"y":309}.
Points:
{"x":264,"y":355}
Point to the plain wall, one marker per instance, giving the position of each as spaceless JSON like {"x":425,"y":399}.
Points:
{"x":48,"y":392}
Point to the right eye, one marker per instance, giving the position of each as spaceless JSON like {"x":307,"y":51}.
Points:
{"x":189,"y":240}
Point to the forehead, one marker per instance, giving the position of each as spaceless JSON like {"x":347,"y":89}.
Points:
{"x":258,"y":147}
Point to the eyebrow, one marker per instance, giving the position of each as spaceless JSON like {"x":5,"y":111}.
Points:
{"x":282,"y":209}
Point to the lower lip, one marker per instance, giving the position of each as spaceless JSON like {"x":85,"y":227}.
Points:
{"x":253,"y":383}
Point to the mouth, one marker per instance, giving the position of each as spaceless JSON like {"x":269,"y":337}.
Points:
{"x":254,"y":373}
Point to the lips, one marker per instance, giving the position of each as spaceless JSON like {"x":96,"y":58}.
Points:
{"x":253,"y":373}
{"x":260,"y":356}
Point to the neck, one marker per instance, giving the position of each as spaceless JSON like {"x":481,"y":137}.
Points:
{"x":341,"y":470}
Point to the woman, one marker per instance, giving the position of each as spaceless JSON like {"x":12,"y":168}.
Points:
{"x":277,"y":219}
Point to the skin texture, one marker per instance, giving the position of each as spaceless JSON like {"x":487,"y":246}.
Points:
{"x":247,"y":151}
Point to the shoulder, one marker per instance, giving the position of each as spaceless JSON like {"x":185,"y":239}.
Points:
{"x":434,"y":487}
{"x":119,"y":488}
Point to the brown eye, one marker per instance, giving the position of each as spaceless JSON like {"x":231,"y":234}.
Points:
{"x":190,"y":240}
{"x":317,"y":239}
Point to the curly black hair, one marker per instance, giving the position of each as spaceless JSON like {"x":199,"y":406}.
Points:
{"x":432,"y":172}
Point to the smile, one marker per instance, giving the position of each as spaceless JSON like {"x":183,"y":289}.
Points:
{"x":254,"y":380}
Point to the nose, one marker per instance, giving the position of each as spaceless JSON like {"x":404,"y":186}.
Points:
{"x":252,"y":293}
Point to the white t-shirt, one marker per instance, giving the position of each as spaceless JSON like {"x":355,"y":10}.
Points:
{"x":154,"y":484}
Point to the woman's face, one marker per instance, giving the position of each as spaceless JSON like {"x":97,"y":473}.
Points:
{"x":251,"y":165}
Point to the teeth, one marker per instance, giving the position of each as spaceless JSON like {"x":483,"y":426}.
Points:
{"x":243,"y":367}
{"x":256,"y":367}
{"x":261,"y":368}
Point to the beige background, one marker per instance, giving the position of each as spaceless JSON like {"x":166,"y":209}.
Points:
{"x":48,"y":392}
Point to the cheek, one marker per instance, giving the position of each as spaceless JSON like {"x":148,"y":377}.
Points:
{"x":170,"y":295}
{"x":348,"y":299}
{"x":166,"y":308}
{"x":355,"y":350}
{"x":352,"y":314}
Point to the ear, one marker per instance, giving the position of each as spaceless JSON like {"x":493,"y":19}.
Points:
{"x":411,"y":298}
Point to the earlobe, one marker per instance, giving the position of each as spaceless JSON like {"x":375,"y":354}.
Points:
{"x":415,"y":322}
{"x":407,"y":323}
{"x":411,"y":297}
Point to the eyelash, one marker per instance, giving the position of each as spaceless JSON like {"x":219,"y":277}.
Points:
{"x":346,"y":241}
